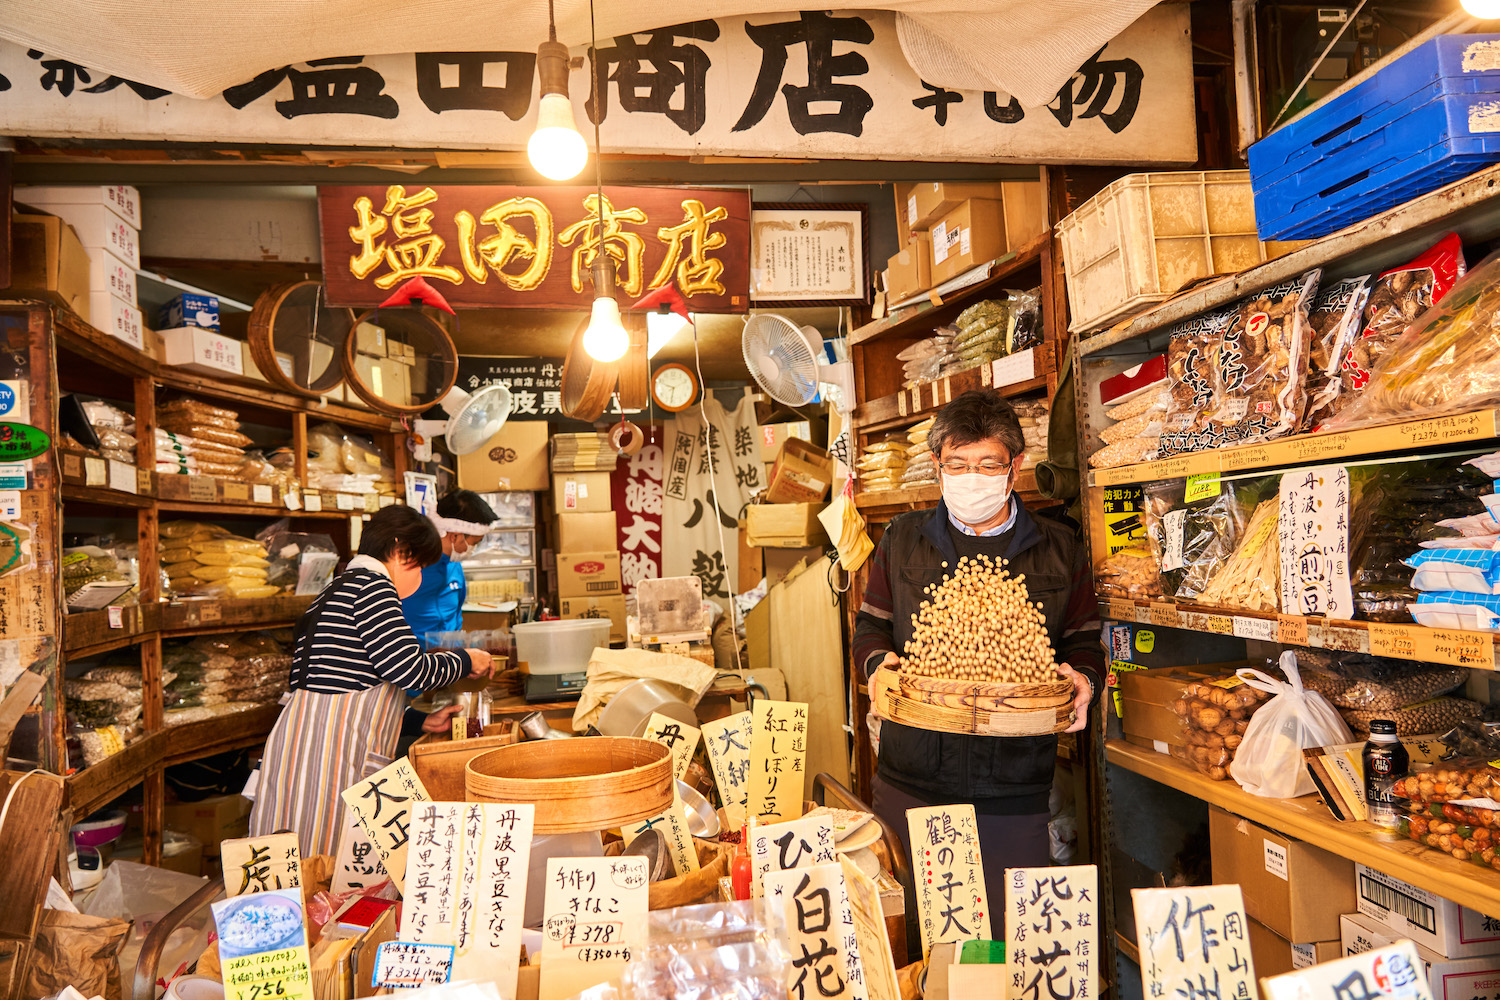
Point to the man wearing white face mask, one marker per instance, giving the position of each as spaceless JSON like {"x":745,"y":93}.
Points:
{"x":978,"y":444}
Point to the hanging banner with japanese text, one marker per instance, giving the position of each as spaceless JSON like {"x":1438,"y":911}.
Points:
{"x":635,"y":494}
{"x":814,"y":84}
{"x":533,"y":247}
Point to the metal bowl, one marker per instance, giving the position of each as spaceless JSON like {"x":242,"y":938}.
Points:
{"x":703,"y":819}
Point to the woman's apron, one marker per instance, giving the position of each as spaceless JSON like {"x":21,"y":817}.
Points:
{"x":321,"y":744}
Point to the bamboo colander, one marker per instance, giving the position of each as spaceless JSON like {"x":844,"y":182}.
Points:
{"x":972,"y":707}
{"x":578,"y":785}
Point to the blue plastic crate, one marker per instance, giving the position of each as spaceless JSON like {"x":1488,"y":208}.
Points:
{"x":1405,"y":131}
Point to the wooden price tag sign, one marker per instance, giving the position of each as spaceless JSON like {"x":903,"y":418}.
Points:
{"x":1120,"y":611}
{"x":1263,"y":629}
{"x":778,"y":760}
{"x":1165,"y":616}
{"x":798,"y":843}
{"x":1291,"y":630}
{"x":673,"y":825}
{"x":1218,"y":624}
{"x":263,"y":946}
{"x":383,"y":804}
{"x":870,"y":934}
{"x":312,"y":500}
{"x":203,"y":489}
{"x":593,"y":922}
{"x":262,"y":493}
{"x":260,"y":864}
{"x":236,"y":492}
{"x":1314,"y":541}
{"x":1194,"y":934}
{"x":677,"y":737}
{"x":1433,"y":645}
{"x":808,"y":911}
{"x":1393,"y":971}
{"x":728,"y":744}
{"x":1051,"y":931}
{"x":949,"y":871}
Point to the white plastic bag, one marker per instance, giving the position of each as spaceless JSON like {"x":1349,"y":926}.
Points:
{"x":1269,"y":761}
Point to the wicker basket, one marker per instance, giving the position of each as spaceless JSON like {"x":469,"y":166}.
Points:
{"x":578,"y":785}
{"x":974,"y":708}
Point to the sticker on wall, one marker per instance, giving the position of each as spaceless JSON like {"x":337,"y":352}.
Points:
{"x":1145,"y":641}
{"x":14,"y":404}
{"x":19,"y":442}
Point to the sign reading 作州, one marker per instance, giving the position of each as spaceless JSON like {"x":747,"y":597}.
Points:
{"x":809,"y":84}
{"x":533,"y":247}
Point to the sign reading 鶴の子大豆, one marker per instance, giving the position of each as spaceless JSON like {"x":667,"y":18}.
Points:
{"x":813,"y":84}
{"x":952,"y":904}
{"x":534,"y":247}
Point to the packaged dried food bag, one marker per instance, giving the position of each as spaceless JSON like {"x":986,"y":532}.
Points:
{"x":1192,"y":383}
{"x":1447,"y":362}
{"x":1474,"y":570}
{"x":1026,"y":321}
{"x":1259,"y":390}
{"x":1337,"y":317}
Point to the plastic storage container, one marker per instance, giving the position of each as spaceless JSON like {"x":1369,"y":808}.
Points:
{"x":1146,"y":236}
{"x":504,"y":547}
{"x":560,"y":647}
{"x":512,"y":510}
{"x":501,"y":583}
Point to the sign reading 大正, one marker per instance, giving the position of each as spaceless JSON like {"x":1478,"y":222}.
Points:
{"x":533,"y":247}
{"x":382,"y":803}
{"x":814,"y":84}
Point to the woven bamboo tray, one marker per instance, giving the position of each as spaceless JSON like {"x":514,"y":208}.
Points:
{"x":578,"y":785}
{"x":973,"y":708}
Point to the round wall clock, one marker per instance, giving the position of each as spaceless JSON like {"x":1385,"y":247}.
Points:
{"x":674,"y":387}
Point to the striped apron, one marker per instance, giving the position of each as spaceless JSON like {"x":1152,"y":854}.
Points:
{"x":321,"y":744}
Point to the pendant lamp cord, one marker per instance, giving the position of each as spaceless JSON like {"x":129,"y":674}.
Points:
{"x":551,"y":22}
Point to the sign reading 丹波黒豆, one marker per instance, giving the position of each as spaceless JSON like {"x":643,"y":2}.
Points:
{"x":357,"y":863}
{"x":1194,"y":941}
{"x":466,"y":885}
{"x":677,"y":737}
{"x":593,"y":922}
{"x":778,"y":758}
{"x":814,"y":84}
{"x":533,"y":247}
{"x":1396,"y":972}
{"x":409,"y":965}
{"x":727,"y":741}
{"x":382,"y":803}
{"x":797,"y":843}
{"x":1051,"y":931}
{"x":808,"y":910}
{"x":1314,"y":530}
{"x":263,"y":946}
{"x":952,"y":904}
{"x":260,"y":864}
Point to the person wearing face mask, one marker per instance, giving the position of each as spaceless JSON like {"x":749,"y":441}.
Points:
{"x":353,"y":661}
{"x":978,"y":445}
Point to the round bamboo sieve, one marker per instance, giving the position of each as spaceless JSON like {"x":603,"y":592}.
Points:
{"x":578,"y":785}
{"x":972,"y":707}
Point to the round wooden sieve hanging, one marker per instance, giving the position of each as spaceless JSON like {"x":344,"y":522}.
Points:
{"x":297,"y":340}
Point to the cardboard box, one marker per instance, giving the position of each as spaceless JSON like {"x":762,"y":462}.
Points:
{"x":120,"y":199}
{"x":909,"y":272}
{"x":196,"y":350}
{"x":593,"y":532}
{"x":971,"y":234}
{"x":1276,"y":956}
{"x":785,"y":525}
{"x":589,"y":574}
{"x":802,"y":473}
{"x":118,"y":318}
{"x":1146,"y":699}
{"x":99,"y":228}
{"x":1450,"y":978}
{"x":1151,"y":724}
{"x":1295,"y":889}
{"x":1025,"y":204}
{"x":514,"y":459}
{"x":580,"y":492}
{"x":903,"y":223}
{"x":221,"y":817}
{"x":369,"y":340}
{"x":191,"y":309}
{"x":773,"y":436}
{"x":1130,"y":383}
{"x":1437,"y":924}
{"x":108,"y":273}
{"x":612,"y":608}
{"x":389,"y":379}
{"x":780,"y":562}
{"x":48,"y":259}
{"x":758,"y":636}
{"x":928,"y":202}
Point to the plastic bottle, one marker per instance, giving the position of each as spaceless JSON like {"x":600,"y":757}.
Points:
{"x":1386,"y":762}
{"x":740,"y":872}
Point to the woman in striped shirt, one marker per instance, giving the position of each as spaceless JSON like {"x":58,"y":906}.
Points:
{"x":354,"y":659}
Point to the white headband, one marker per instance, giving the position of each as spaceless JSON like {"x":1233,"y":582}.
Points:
{"x":453,"y":525}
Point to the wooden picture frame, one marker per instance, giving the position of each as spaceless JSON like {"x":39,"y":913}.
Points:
{"x":779,"y":230}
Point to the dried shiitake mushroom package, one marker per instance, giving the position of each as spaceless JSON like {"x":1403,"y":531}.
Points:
{"x":1337,"y":317}
{"x":1192,"y":385}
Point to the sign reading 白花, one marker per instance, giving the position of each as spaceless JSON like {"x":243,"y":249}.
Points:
{"x":814,"y":84}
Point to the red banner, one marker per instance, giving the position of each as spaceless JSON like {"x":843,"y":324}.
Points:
{"x":490,"y":246}
{"x":635,"y":489}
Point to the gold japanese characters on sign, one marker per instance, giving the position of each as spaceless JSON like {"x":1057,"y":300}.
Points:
{"x":536,"y":244}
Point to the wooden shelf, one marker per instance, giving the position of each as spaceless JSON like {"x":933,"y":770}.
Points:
{"x":245,"y":510}
{"x":88,"y":633}
{"x":922,"y":401}
{"x":917,"y":318}
{"x":1384,"y":440}
{"x":199,"y":617}
{"x":927,"y":494}
{"x":92,"y":787}
{"x":195,"y":740}
{"x":1307,"y":818}
{"x":105,"y":497}
{"x":1470,"y":207}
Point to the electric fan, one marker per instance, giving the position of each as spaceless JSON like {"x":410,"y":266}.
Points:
{"x":473,"y":420}
{"x":789,"y":361}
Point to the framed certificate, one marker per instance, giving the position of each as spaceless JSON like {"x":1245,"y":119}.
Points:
{"x":805,"y":254}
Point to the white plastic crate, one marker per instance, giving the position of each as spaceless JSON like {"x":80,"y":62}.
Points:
{"x":1146,"y":236}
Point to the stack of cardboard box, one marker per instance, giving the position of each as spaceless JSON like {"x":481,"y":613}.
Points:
{"x":800,"y":481}
{"x":107,"y":221}
{"x":589,"y":584}
{"x":946,"y":229}
{"x":387,"y":365}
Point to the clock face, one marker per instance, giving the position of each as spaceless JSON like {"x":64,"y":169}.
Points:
{"x":674,"y":388}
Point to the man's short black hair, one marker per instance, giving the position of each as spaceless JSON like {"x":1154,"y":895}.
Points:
{"x":400,"y":531}
{"x":977,"y":415}
{"x":465,"y":505}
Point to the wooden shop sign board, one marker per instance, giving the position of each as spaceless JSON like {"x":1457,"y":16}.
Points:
{"x":260,"y":864}
{"x":778,"y":759}
{"x":952,"y":904}
{"x":1194,"y":940}
{"x":1052,"y":931}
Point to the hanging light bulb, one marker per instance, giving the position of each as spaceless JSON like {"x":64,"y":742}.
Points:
{"x":662,"y":324}
{"x":1485,"y":10}
{"x":605,"y":340}
{"x":555,"y":149}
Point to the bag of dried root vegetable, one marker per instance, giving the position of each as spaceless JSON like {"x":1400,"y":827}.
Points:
{"x":1269,"y":762}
